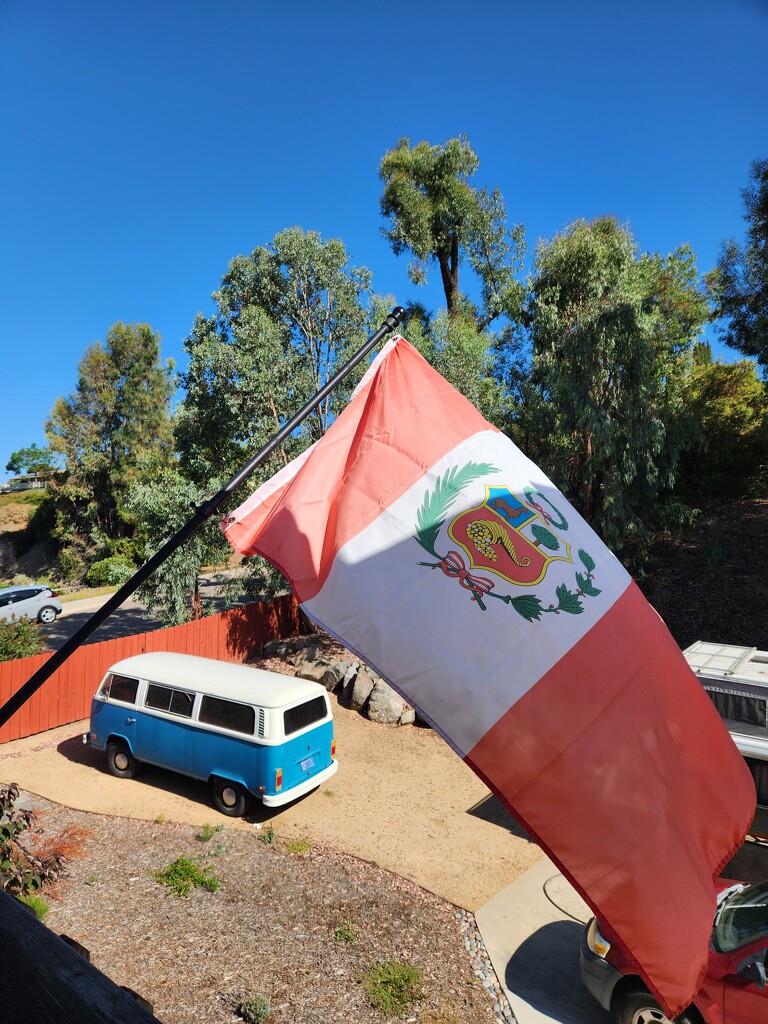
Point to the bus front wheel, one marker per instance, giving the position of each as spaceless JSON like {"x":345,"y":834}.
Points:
{"x":120,"y":760}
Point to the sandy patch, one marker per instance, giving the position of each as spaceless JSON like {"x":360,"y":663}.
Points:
{"x":401,"y":799}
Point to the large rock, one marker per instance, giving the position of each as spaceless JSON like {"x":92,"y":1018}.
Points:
{"x":311,"y":663}
{"x":362,"y":689}
{"x":385,"y":705}
{"x":334,"y":676}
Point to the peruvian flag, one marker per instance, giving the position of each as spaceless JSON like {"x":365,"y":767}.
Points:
{"x":426,"y":542}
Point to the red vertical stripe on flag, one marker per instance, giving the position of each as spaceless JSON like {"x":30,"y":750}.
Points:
{"x":622,"y":727}
{"x":367,"y":456}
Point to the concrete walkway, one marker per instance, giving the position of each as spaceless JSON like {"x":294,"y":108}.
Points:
{"x":531,"y":931}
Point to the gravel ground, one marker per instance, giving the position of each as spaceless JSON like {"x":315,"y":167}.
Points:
{"x":301,"y":928}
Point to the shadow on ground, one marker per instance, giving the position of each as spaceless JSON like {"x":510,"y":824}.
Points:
{"x":544,"y":971}
{"x":195,"y":790}
{"x":491,"y":810}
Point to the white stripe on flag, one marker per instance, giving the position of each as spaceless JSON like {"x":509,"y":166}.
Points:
{"x":426,"y":620}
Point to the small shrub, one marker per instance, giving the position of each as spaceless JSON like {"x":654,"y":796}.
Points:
{"x":254,"y":1010}
{"x":207,"y":832}
{"x":20,"y":638}
{"x":298,"y":845}
{"x":391,"y":986}
{"x":183,"y":874}
{"x":23,"y":872}
{"x":267,"y":835}
{"x":160,"y":819}
{"x":346,"y":931}
{"x":112,"y":571}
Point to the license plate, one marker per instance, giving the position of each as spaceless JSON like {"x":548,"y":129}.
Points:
{"x":308,"y":764}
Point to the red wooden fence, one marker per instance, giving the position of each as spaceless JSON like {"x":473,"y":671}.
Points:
{"x":234,"y":635}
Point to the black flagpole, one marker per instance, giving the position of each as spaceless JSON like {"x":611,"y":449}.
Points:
{"x":201,"y":515}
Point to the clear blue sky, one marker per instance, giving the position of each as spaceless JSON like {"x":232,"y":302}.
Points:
{"x":144,"y":144}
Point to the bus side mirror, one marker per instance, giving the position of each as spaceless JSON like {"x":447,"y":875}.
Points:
{"x":753,"y":969}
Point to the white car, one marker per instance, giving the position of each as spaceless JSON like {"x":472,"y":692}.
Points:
{"x":30,"y":602}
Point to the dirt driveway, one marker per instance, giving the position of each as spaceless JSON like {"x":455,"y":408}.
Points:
{"x":401,"y":799}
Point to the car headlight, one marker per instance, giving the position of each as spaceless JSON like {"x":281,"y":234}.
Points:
{"x":595,"y":940}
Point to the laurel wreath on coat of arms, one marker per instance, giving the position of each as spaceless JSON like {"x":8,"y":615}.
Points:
{"x":431,"y":517}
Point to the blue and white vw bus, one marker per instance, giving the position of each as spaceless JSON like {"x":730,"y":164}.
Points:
{"x":245,"y":731}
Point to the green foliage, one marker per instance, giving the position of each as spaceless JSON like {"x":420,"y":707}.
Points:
{"x":117,"y":413}
{"x":391,"y":986}
{"x":184,"y":873}
{"x":162,"y":505}
{"x":254,"y":1010}
{"x":112,"y":571}
{"x":612,"y":331}
{"x":21,"y":872}
{"x":267,"y":835}
{"x":297,"y":846}
{"x":207,"y":832}
{"x":729,"y":404}
{"x":31,"y":460}
{"x":346,"y":931}
{"x":37,"y":904}
{"x":739,"y":284}
{"x":436,"y":215}
{"x":20,"y":638}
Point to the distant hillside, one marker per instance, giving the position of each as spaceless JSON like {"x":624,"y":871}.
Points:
{"x":712,"y":583}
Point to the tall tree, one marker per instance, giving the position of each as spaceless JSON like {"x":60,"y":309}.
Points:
{"x":287,"y":317}
{"x":739,"y":283}
{"x":33,"y":459}
{"x":439,"y":217}
{"x":611,"y":330}
{"x":118,"y":411}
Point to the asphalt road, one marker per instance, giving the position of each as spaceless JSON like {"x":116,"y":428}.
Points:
{"x":131,"y":617}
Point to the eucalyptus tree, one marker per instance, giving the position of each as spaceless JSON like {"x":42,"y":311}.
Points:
{"x":118,"y":411}
{"x":286,"y":318}
{"x":611,"y":332}
{"x":436,"y":215}
{"x":739,"y":283}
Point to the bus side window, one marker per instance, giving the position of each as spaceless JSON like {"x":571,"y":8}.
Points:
{"x":164,"y":698}
{"x":227,"y":714}
{"x":123,"y":688}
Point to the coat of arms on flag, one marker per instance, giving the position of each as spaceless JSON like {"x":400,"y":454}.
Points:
{"x":513,"y":538}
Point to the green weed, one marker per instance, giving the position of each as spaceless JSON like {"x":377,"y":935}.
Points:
{"x":297,"y":845}
{"x":267,"y":835}
{"x":184,"y":873}
{"x":37,"y":904}
{"x":391,"y":986}
{"x":346,"y":931}
{"x":207,"y":832}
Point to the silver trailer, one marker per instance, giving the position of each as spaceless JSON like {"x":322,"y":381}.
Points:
{"x":736,"y":679}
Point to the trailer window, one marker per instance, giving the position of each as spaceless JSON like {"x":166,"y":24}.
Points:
{"x":740,"y":707}
{"x":165,"y":698}
{"x":227,"y":714}
{"x":122,"y":688}
{"x":305,"y":714}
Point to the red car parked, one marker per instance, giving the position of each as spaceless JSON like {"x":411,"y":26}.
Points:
{"x":734,"y":989}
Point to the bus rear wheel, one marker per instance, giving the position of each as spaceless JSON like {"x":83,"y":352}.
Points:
{"x":230,"y":798}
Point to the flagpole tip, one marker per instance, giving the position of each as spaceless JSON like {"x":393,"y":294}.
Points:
{"x":395,"y":317}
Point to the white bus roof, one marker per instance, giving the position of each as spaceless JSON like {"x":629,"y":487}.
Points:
{"x":728,"y":661}
{"x":218,"y":678}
